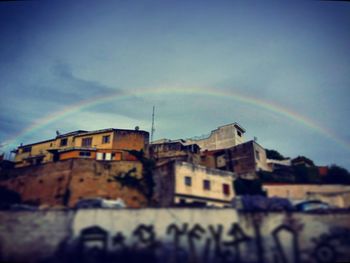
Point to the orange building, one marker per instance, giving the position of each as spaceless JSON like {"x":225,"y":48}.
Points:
{"x":107,"y":144}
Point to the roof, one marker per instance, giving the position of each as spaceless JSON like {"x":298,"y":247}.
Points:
{"x":80,"y":133}
{"x":110,"y":130}
{"x":71,"y":133}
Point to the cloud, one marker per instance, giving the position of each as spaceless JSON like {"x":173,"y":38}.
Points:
{"x":71,"y":87}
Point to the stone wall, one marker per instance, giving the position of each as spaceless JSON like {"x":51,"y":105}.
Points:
{"x":172,"y":235}
{"x":67,"y":182}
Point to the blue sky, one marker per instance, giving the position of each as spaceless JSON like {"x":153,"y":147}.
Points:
{"x":55,"y":54}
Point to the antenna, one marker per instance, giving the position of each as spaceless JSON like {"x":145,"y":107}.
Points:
{"x":152,"y":129}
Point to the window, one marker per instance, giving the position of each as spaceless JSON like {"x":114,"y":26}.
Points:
{"x":27,"y":149}
{"x":239,"y":133}
{"x":206,"y":184}
{"x":86,"y":142}
{"x":64,"y":142}
{"x":257,"y":155}
{"x":106,"y":139}
{"x":188,"y":181}
{"x":226,"y":189}
{"x":85,"y":154}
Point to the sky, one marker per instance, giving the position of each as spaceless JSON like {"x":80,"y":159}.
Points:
{"x":281,"y":69}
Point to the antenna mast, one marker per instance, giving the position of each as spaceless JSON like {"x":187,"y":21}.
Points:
{"x":153,"y":129}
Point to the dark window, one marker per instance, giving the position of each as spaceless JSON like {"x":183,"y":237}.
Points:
{"x":85,"y":154}
{"x":206,"y":184}
{"x":239,"y":133}
{"x":226,"y":189}
{"x":86,"y":142}
{"x":106,"y":139}
{"x":188,"y":181}
{"x":257,"y":154}
{"x":27,"y":149}
{"x":64,"y":142}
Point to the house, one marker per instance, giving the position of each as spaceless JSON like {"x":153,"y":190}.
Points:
{"x":223,"y":137}
{"x":244,"y":159}
{"x":166,"y":150}
{"x":106,"y":144}
{"x":186,"y":184}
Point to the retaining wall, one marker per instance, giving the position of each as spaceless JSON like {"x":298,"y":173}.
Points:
{"x":172,"y":235}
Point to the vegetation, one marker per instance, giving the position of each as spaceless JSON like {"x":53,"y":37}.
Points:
{"x":275,"y":155}
{"x":248,"y":187}
{"x":8,"y":198}
{"x":306,"y":175}
{"x":337,"y":175}
{"x":145,"y":184}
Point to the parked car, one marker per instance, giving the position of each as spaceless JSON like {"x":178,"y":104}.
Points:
{"x":100,"y":203}
{"x":255,"y":203}
{"x":312,"y":206}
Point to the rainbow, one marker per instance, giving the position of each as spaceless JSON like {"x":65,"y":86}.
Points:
{"x":213,"y":92}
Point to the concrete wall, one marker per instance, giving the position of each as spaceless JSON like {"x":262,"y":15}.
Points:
{"x":173,"y":235}
{"x":51,"y":183}
{"x":337,"y":195}
{"x":195,"y":192}
{"x":175,"y":151}
{"x":223,"y":137}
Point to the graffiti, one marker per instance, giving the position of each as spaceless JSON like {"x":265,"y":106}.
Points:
{"x":211,"y":243}
{"x":182,"y":242}
{"x":328,"y":246}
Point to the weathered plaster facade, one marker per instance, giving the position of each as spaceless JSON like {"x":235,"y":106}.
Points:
{"x":243,"y":160}
{"x":107,"y":144}
{"x":223,"y":137}
{"x":186,"y":184}
{"x":175,"y":150}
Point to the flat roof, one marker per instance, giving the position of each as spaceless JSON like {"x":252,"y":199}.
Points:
{"x":80,"y":133}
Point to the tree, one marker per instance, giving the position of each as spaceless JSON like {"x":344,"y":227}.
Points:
{"x":8,"y":197}
{"x":337,"y":175}
{"x":275,"y":155}
{"x":248,"y":187}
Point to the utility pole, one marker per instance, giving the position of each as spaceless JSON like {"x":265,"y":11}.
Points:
{"x":153,"y":129}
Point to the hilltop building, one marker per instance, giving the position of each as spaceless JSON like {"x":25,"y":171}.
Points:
{"x":106,"y":144}
{"x":78,"y":165}
{"x":223,"y":137}
{"x":188,"y":185}
{"x":244,"y":159}
{"x":168,"y":150}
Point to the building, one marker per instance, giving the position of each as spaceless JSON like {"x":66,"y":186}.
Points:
{"x":244,"y":159}
{"x":223,"y":137}
{"x":185,"y":184}
{"x":335,"y":195}
{"x":106,"y":144}
{"x":275,"y":165}
{"x":167,"y":150}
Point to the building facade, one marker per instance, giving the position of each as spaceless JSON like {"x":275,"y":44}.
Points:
{"x":223,"y":137}
{"x":244,"y":159}
{"x":168,"y":150}
{"x":106,"y":144}
{"x":186,"y":184}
